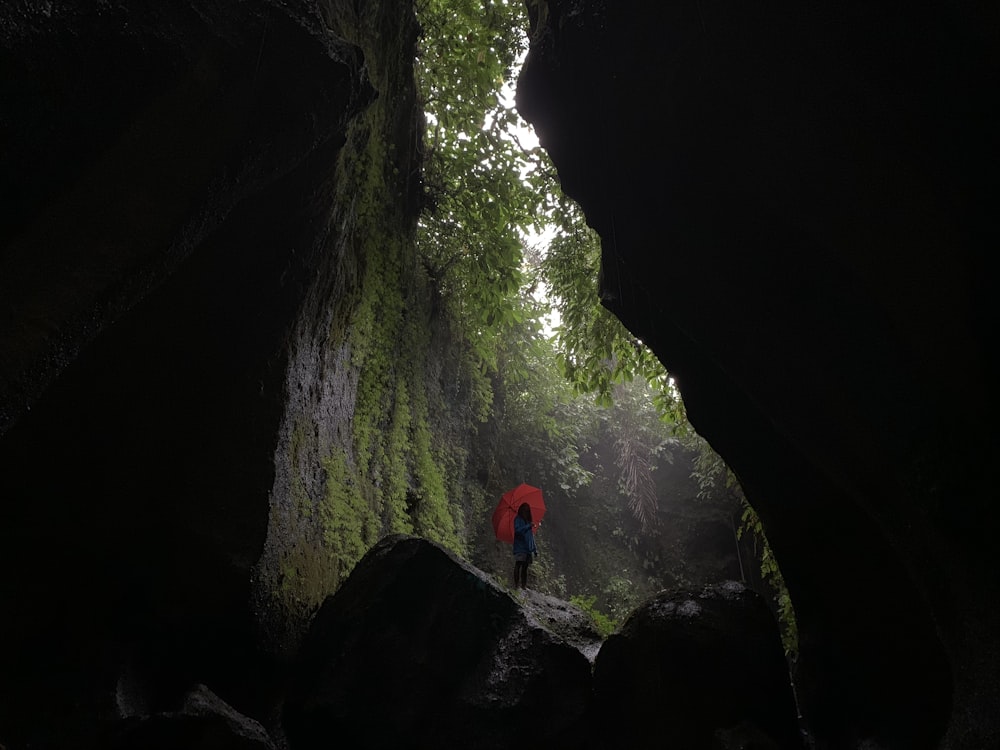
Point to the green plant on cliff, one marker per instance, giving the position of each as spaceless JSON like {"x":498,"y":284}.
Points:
{"x":713,"y":475}
{"x":401,"y":465}
{"x":751,"y":526}
{"x":350,"y":526}
{"x":604,"y":625}
{"x":426,"y":307}
{"x":397,"y":461}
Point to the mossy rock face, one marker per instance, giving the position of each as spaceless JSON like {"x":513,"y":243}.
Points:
{"x":370,"y":443}
{"x":168,"y":247}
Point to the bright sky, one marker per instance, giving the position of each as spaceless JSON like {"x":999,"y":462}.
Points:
{"x":526,"y":137}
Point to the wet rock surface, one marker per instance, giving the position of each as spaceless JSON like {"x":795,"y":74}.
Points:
{"x":203,"y":721}
{"x":697,"y":669}
{"x":419,"y":648}
{"x":164,"y":215}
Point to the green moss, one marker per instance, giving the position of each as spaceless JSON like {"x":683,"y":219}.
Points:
{"x":401,"y":466}
{"x":433,"y":517}
{"x":349,"y":526}
{"x":399,"y":469}
{"x":396,"y":484}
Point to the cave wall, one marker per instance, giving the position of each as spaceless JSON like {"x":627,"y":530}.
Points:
{"x":224,"y":375}
{"x":795,"y":210}
{"x":167,"y":176}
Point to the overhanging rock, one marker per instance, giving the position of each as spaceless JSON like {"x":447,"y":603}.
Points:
{"x":797,"y":211}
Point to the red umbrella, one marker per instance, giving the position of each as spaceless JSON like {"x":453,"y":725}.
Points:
{"x":503,"y":515}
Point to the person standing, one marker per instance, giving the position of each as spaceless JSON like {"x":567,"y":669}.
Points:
{"x":524,"y":545}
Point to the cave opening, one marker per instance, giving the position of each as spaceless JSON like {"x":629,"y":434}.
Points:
{"x":287,"y":292}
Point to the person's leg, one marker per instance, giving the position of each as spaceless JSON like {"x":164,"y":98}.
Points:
{"x":524,"y":574}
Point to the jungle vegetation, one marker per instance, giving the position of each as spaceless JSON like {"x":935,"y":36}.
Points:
{"x":471,"y":336}
{"x":489,"y":195}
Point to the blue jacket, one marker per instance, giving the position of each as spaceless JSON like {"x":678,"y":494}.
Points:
{"x":524,"y":538}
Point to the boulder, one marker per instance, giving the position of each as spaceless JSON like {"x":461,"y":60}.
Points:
{"x":420,"y":649}
{"x":203,"y":721}
{"x":697,"y":669}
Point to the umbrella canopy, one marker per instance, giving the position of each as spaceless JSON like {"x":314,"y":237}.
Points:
{"x":503,"y":515}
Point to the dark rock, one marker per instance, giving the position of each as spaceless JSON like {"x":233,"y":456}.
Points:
{"x":166,"y":179}
{"x":697,"y":669}
{"x":797,"y":211}
{"x":420,"y":649}
{"x":204,"y":721}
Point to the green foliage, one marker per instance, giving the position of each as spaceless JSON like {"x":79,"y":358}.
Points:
{"x":621,"y":596}
{"x":543,"y":426}
{"x":393,"y":436}
{"x":714,"y":476}
{"x":477,"y":203}
{"x":596,"y":351}
{"x":771,"y":574}
{"x":710,"y":471}
{"x":433,"y":517}
{"x":485,"y":192}
{"x":604,"y":625}
{"x":350,"y":527}
{"x":640,"y":436}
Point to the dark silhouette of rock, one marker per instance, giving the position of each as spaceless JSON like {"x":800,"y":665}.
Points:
{"x":204,"y":721}
{"x":420,"y":649}
{"x":166,"y":182}
{"x":797,"y":211}
{"x":696,"y":669}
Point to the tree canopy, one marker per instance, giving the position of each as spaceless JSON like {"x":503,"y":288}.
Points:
{"x":487,"y":195}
